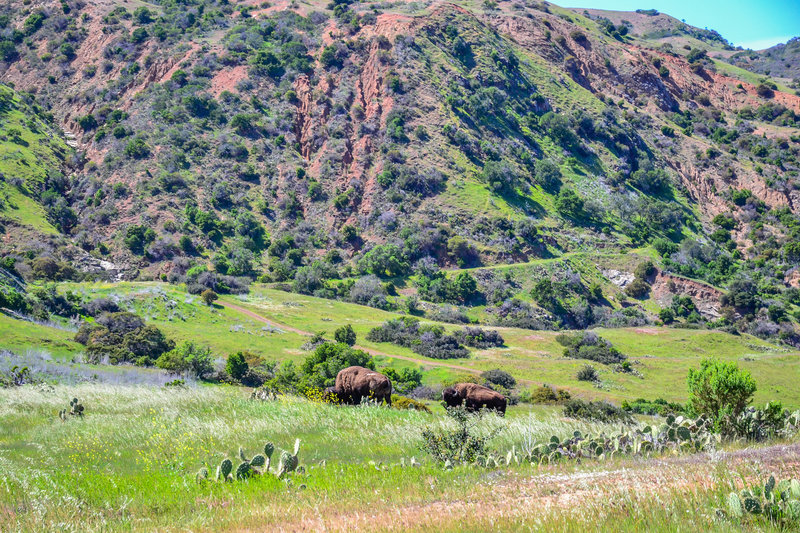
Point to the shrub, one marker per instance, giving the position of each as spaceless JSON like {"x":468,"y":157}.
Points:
{"x":544,"y":394}
{"x":587,"y":373}
{"x":590,"y":346}
{"x":236,"y":366}
{"x":658,"y":406}
{"x":480,"y":338}
{"x":499,"y":377}
{"x":596,"y":411}
{"x":719,"y":389}
{"x":463,"y":444}
{"x":188,"y":358}
{"x":321,"y":367}
{"x":637,"y":288}
{"x":428,"y":340}
{"x":209,"y":296}
{"x":402,"y":402}
{"x":345,"y":335}
{"x":569,"y":204}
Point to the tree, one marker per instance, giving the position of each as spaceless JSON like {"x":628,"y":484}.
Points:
{"x":320,"y":368}
{"x":345,"y":335}
{"x":548,"y":175}
{"x":237,"y":366}
{"x":569,"y":204}
{"x":384,"y":260}
{"x":209,"y":296}
{"x":719,"y":389}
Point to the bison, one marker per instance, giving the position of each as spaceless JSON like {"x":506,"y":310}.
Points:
{"x":474,"y":397}
{"x":356,"y":382}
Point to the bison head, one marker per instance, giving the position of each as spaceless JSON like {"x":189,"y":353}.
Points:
{"x":450,"y":396}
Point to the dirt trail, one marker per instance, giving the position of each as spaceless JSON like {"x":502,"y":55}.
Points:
{"x":528,"y":497}
{"x":371,"y":351}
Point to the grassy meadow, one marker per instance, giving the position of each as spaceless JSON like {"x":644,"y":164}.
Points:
{"x":129,"y":465}
{"x":279,"y":320}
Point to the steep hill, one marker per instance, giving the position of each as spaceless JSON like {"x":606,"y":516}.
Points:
{"x":315,"y":143}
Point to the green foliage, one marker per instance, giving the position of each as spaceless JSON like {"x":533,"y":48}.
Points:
{"x":401,"y":402}
{"x":345,"y":335}
{"x":137,"y":148}
{"x":208,"y":296}
{"x":774,"y":503}
{"x":236,"y":366}
{"x":596,"y":411}
{"x":187,"y":358}
{"x":590,"y":346}
{"x":569,"y":204}
{"x":462,"y":444}
{"x":138,"y":237}
{"x":499,"y":377}
{"x":404,"y":380}
{"x":544,"y":395}
{"x":321,"y":367}
{"x":719,"y":389}
{"x":587,"y":373}
{"x":384,"y":260}
{"x":428,"y":340}
{"x":75,"y":410}
{"x":123,"y":337}
{"x":658,"y":406}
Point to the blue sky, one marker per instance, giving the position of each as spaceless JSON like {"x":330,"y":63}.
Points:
{"x":752,"y":24}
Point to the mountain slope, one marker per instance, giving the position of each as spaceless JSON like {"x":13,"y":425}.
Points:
{"x":313,"y":143}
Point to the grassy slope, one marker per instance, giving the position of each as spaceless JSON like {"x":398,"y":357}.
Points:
{"x":27,"y":157}
{"x":662,"y":355}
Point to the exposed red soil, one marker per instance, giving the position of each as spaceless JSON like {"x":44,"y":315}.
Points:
{"x":707,"y":298}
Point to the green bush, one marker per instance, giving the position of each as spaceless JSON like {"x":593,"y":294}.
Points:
{"x":187,"y":358}
{"x":345,"y":335}
{"x":719,"y":389}
{"x":596,"y":411}
{"x":401,"y":402}
{"x":236,"y":366}
{"x":545,"y":395}
{"x":658,"y":406}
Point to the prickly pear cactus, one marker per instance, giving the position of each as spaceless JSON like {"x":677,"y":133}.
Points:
{"x":258,"y":460}
{"x":243,"y":471}
{"x":269,"y":448}
{"x":224,"y":469}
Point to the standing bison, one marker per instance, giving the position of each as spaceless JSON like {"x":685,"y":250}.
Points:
{"x":474,"y":397}
{"x":356,"y":382}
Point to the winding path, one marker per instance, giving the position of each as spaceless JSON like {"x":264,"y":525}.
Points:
{"x":371,"y":351}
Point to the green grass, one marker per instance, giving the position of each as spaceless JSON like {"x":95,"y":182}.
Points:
{"x":19,"y":336}
{"x":129,"y":465}
{"x":662,"y":355}
{"x":138,"y":448}
{"x":30,"y":148}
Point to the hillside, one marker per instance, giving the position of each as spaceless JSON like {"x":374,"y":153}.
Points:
{"x":318,"y":145}
{"x":781,"y":60}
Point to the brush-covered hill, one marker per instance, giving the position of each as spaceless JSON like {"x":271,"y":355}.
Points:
{"x":781,"y":60}
{"x":318,"y":144}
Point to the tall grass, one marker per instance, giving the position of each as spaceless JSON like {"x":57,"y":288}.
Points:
{"x":129,"y":464}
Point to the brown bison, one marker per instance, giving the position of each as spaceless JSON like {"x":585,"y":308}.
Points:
{"x":356,"y":382}
{"x":474,"y":397}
